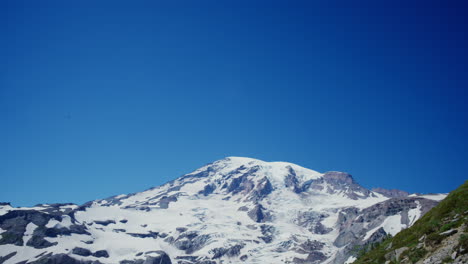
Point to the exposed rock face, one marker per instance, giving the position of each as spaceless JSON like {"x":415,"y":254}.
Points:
{"x":209,"y":189}
{"x":377,"y":236}
{"x":39,"y":242}
{"x":16,"y":222}
{"x":61,"y":259}
{"x":313,"y":222}
{"x":230,"y":211}
{"x":312,"y":258}
{"x":166,"y":200}
{"x":230,"y":251}
{"x":291,"y":181}
{"x":262,"y":189}
{"x":6,"y":257}
{"x":258,"y":214}
{"x":394,"y":193}
{"x":81,"y":252}
{"x":163,"y":258}
{"x":101,"y":254}
{"x":190,"y":242}
{"x":267,"y":233}
{"x":450,"y":247}
{"x":341,"y":182}
{"x":105,"y":223}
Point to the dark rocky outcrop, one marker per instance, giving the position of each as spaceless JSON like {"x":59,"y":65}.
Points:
{"x":345,"y":238}
{"x":313,"y":222}
{"x":258,"y":214}
{"x":12,"y":237}
{"x":291,"y":182}
{"x":166,"y":200}
{"x":267,"y":233}
{"x":144,"y":235}
{"x":377,"y":236}
{"x":193,"y":260}
{"x":81,"y":252}
{"x":15,"y":223}
{"x":136,"y":261}
{"x":209,"y":189}
{"x":39,"y":242}
{"x":397,"y":205}
{"x":309,"y":246}
{"x":230,"y":251}
{"x":163,"y":258}
{"x":61,"y":259}
{"x":190,"y":242}
{"x":262,"y":189}
{"x":242,"y":183}
{"x":7,"y":257}
{"x":341,"y":182}
{"x":105,"y":222}
{"x":43,"y":231}
{"x":313,"y":258}
{"x":101,"y":254}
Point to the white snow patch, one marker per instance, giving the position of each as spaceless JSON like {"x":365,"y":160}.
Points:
{"x":391,"y":225}
{"x":28,"y":233}
{"x":435,"y":197}
{"x":65,"y":222}
{"x":350,"y":260}
{"x":5,"y":209}
{"x":414,"y":214}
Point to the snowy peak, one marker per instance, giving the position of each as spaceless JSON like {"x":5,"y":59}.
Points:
{"x":234,"y":210}
{"x":252,"y":180}
{"x":276,"y":172}
{"x":238,"y":175}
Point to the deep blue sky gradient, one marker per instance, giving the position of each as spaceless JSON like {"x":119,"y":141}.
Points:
{"x":100,"y":98}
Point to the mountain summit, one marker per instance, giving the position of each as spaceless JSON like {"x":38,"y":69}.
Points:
{"x":234,"y":210}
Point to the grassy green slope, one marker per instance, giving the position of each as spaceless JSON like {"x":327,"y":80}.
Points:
{"x":450,"y":213}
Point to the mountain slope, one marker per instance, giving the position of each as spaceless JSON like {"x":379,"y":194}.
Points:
{"x":440,"y":236}
{"x":230,"y":211}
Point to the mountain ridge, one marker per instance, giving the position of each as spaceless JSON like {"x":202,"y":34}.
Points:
{"x":229,"y":211}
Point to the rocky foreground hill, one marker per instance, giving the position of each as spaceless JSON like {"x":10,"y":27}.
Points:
{"x":235,"y":210}
{"x":440,"y":236}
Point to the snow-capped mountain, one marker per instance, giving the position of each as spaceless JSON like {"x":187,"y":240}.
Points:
{"x":235,"y":210}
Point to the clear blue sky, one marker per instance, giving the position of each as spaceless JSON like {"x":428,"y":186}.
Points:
{"x":106,"y":97}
